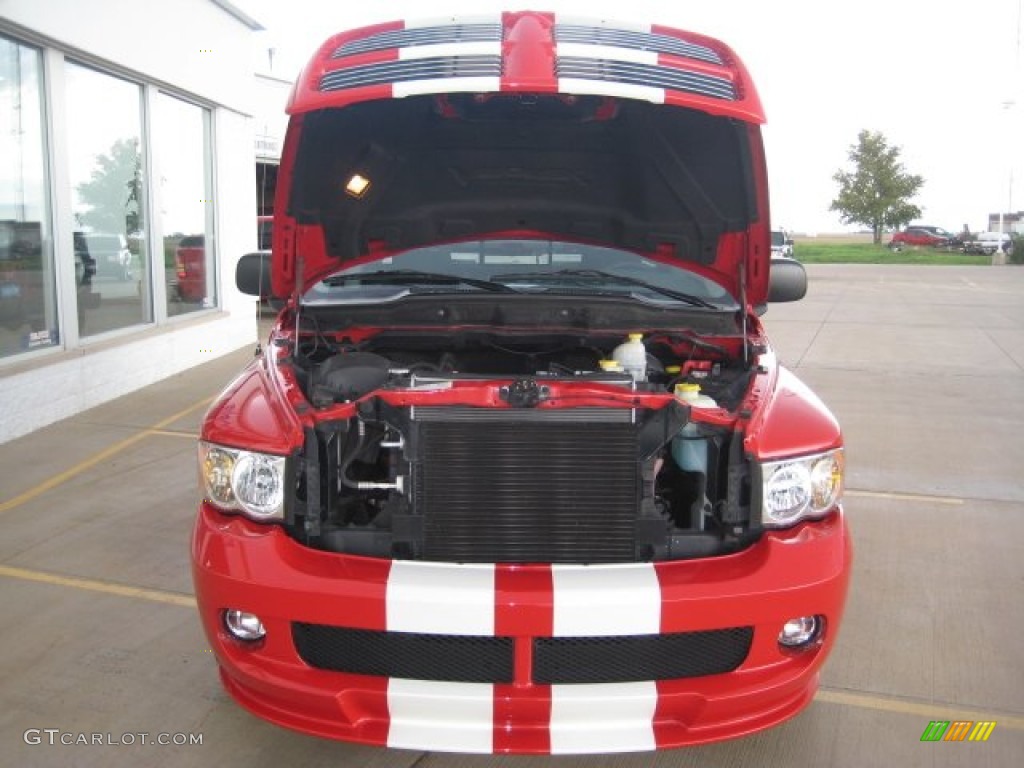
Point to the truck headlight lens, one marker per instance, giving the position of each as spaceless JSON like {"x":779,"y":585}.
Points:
{"x":797,"y":489}
{"x":243,"y":481}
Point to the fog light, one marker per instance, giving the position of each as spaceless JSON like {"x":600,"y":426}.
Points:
{"x":244,"y":626}
{"x":801,"y":631}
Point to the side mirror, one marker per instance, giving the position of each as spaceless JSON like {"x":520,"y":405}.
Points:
{"x":787,"y":280}
{"x":252,"y":274}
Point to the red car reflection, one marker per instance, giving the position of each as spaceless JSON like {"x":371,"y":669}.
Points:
{"x":190,"y":264}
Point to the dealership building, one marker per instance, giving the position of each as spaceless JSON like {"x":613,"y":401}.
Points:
{"x":127,"y":194}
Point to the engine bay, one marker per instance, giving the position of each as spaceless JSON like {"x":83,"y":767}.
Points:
{"x":338,"y":371}
{"x":538,"y":477}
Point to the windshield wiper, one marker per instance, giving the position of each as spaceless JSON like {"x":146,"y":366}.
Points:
{"x":412,"y":276}
{"x":608,"y":277}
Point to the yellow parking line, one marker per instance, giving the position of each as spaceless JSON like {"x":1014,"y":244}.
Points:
{"x":951,"y":500}
{"x":93,"y":585}
{"x":172,"y":433}
{"x":97,"y":458}
{"x":916,"y":708}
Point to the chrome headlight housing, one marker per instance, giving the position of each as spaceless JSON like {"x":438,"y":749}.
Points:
{"x":802,"y":488}
{"x":243,"y":481}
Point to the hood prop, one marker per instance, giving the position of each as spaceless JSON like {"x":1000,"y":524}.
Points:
{"x":744,"y":309}
{"x":297,"y":299}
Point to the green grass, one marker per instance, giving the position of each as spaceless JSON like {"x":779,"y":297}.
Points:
{"x":868,"y":253}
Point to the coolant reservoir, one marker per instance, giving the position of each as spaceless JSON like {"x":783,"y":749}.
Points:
{"x":632,"y":354}
{"x":689,"y":449}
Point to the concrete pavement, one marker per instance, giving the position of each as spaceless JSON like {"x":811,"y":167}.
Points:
{"x":924,"y":367}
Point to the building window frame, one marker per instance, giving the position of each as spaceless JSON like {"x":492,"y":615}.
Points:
{"x":57,"y":185}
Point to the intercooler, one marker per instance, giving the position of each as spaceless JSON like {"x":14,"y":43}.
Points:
{"x":526,"y":485}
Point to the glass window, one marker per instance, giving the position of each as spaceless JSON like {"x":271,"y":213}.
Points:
{"x":105,"y":163}
{"x":182,"y":152}
{"x":28,"y":314}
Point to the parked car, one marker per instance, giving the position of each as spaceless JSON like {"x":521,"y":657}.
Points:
{"x":190,"y":268}
{"x":955,"y":239}
{"x":519,"y":470}
{"x":782,"y":244}
{"x":989,"y":242}
{"x":918,"y":236}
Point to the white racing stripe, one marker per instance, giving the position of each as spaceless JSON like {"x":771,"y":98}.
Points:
{"x":583,"y":87}
{"x":440,"y":598}
{"x":448,"y":717}
{"x":450,"y":49}
{"x":446,"y":85}
{"x":605,"y":717}
{"x":607,"y":52}
{"x":600,"y":600}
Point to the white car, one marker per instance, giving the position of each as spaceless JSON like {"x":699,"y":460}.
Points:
{"x":782,"y":244}
{"x":989,"y":242}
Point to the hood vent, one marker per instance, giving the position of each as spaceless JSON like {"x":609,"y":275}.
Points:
{"x":649,"y":75}
{"x":414,"y":69}
{"x":639,"y":41}
{"x":409,"y":38}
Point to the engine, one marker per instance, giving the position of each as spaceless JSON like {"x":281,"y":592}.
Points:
{"x":535,"y":478}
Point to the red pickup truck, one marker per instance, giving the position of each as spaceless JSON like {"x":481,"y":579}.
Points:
{"x":518,"y":470}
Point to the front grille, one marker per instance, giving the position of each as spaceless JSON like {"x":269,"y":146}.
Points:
{"x":527,"y":489}
{"x":556,"y":660}
{"x":634,"y":658}
{"x":652,"y":75}
{"x":641,"y":41}
{"x":412,"y":69}
{"x":409,"y":38}
{"x":456,"y":658}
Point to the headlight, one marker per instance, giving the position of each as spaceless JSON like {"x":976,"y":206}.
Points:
{"x":796,"y":489}
{"x":243,"y":481}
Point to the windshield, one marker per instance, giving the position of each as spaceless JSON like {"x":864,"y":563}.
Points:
{"x":778,"y":238}
{"x":520,"y":266}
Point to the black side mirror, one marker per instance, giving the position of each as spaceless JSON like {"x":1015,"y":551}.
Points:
{"x":252,"y":274}
{"x":787,"y":280}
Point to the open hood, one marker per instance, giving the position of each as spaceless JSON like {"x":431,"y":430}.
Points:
{"x":366,"y":174}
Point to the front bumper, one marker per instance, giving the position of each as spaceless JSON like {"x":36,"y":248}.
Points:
{"x":259,"y":569}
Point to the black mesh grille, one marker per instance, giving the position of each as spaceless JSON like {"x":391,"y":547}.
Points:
{"x":408,"y":38}
{"x":456,"y":658}
{"x":634,"y":658}
{"x":528,"y":491}
{"x":652,"y":75}
{"x":642,"y":41}
{"x":412,"y":69}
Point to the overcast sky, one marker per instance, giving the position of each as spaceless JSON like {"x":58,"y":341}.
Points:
{"x":933,"y":77}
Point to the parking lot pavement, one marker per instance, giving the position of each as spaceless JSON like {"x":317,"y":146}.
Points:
{"x":924,"y":367}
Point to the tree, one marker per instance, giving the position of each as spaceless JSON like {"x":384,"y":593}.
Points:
{"x":879,"y":191}
{"x":113,"y":193}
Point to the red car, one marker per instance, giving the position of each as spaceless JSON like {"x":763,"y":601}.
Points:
{"x":519,"y":471}
{"x":190,"y":268}
{"x":919,"y":236}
